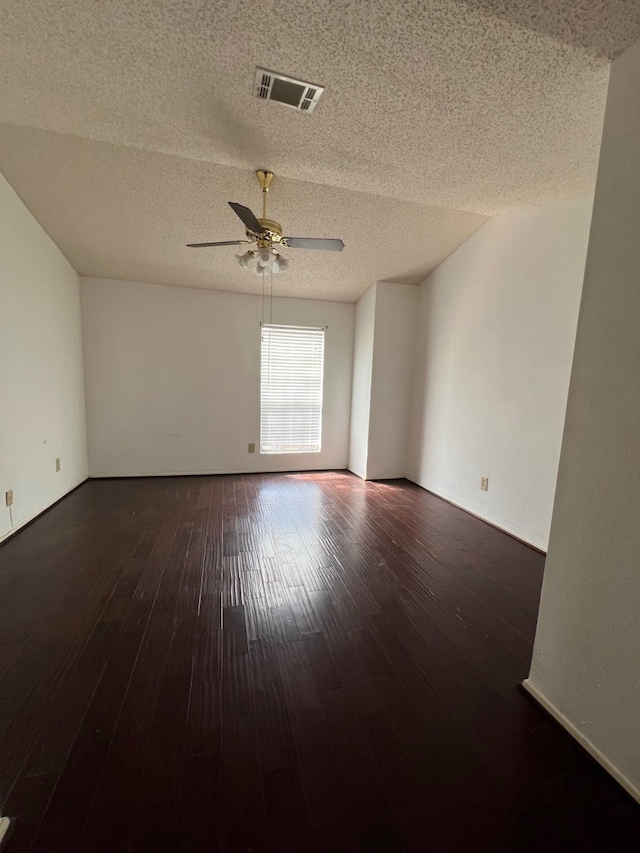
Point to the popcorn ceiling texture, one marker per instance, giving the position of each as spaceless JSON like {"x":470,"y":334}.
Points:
{"x":603,"y":27}
{"x":436,"y":115}
{"x":125,"y":213}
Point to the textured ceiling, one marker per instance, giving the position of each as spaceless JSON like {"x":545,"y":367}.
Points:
{"x":441,"y":106}
{"x":127,"y":214}
{"x":603,"y":27}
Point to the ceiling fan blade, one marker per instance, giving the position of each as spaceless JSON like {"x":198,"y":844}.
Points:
{"x":314,"y":243}
{"x":247,"y":216}
{"x":222,"y":243}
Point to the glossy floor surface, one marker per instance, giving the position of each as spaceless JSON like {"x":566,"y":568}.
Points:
{"x":284,"y":663}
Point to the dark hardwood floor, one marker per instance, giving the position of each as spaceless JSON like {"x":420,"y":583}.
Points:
{"x":285,"y":663}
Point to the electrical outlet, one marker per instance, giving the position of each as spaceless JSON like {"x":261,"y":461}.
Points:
{"x":58,"y":464}
{"x":484,"y":484}
{"x":252,"y":448}
{"x":8,"y":498}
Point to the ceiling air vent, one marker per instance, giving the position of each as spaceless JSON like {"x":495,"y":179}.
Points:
{"x":301,"y":96}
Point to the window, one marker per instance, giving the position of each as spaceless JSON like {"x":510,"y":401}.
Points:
{"x":292,"y":366}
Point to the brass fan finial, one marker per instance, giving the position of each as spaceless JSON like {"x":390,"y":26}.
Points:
{"x":264,"y":179}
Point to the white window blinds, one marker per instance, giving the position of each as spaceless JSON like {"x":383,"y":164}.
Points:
{"x":292,"y":368}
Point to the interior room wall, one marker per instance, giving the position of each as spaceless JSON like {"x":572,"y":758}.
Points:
{"x":173,"y":379}
{"x":41,"y":380}
{"x":587,"y":648}
{"x":392,"y":366}
{"x":496,"y":330}
{"x":361,"y":383}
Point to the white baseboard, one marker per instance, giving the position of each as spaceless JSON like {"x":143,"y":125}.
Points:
{"x":593,"y":751}
{"x":373,"y":479}
{"x":484,"y":518}
{"x":97,"y":475}
{"x":30,"y":518}
{"x":376,"y":477}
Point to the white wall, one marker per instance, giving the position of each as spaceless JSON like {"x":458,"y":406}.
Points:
{"x":173,"y":379}
{"x":393,"y":354}
{"x":587,"y":650}
{"x":41,"y":385}
{"x":361,"y":387}
{"x":496,"y":331}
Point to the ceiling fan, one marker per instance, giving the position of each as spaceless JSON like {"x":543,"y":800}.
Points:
{"x":267,"y":233}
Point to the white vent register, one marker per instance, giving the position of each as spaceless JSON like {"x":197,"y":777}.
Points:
{"x":297,"y":94}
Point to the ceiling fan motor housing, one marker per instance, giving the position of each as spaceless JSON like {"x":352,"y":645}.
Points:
{"x":272,"y":233}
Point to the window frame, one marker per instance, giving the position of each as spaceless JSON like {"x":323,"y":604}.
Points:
{"x":312,"y":384}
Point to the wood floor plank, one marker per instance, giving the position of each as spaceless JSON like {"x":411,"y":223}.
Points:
{"x":27,"y":803}
{"x":78,"y":782}
{"x":65,"y":838}
{"x":155,"y":823}
{"x":281,"y":662}
{"x":200,"y":818}
{"x":287,"y":822}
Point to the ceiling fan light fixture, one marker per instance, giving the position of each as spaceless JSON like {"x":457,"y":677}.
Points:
{"x":262,"y":261}
{"x":248,"y":260}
